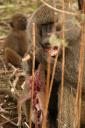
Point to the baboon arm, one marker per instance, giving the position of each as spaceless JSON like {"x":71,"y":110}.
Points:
{"x":12,"y":56}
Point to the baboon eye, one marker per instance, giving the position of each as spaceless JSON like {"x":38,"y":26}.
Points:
{"x":47,"y":45}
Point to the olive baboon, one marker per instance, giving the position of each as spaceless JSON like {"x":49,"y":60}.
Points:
{"x":16,"y":42}
{"x":43,"y":18}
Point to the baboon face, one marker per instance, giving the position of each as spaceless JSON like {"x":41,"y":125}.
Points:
{"x":19,"y":22}
{"x":72,"y":33}
{"x":72,"y":45}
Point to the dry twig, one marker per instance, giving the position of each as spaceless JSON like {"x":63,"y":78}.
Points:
{"x":46,"y":93}
{"x":33,"y":69}
{"x":58,"y":10}
{"x":8,"y":120}
{"x":80,"y":80}
{"x":63,"y":65}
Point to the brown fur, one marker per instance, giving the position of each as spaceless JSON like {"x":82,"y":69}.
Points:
{"x":16,"y":42}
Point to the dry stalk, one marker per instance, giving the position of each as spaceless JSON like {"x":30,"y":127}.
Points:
{"x":4,"y":65}
{"x":33,"y":69}
{"x":3,"y":72}
{"x":49,"y":92}
{"x":48,"y":77}
{"x":63,"y":65}
{"x":54,"y":27}
{"x":15,"y":70}
{"x":50,"y":89}
{"x":49,"y":83}
{"x":3,"y":111}
{"x":26,"y":125}
{"x":53,"y":74}
{"x":46,"y":92}
{"x":8,"y":120}
{"x":15,"y":83}
{"x":80,"y":80}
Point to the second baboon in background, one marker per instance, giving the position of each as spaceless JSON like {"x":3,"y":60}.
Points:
{"x":16,"y":42}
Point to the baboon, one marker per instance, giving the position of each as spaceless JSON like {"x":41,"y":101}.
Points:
{"x":43,"y":18}
{"x":16,"y":42}
{"x":43,"y":31}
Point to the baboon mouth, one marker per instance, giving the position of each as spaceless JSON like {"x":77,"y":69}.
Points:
{"x":53,"y":51}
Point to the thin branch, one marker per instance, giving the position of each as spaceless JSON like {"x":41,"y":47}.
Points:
{"x":3,"y":110}
{"x":4,"y":65}
{"x":1,"y":124}
{"x":33,"y":70}
{"x":63,"y":65}
{"x":59,"y":10}
{"x":26,"y":125}
{"x":80,"y":80}
{"x":46,"y":92}
{"x":9,"y":120}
